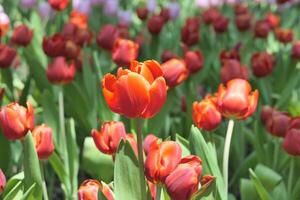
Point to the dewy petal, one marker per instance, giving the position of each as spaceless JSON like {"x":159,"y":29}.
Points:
{"x":108,"y":89}
{"x":158,"y":96}
{"x":132,"y":93}
{"x":253,"y":99}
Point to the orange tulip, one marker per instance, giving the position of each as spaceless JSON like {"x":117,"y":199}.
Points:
{"x":273,"y":20}
{"x":124,"y":51}
{"x":16,"y":120}
{"x":161,"y":160}
{"x":108,"y":138}
{"x":236,"y":99}
{"x":138,"y":92}
{"x":79,"y":19}
{"x":2,"y":181}
{"x":42,"y":136}
{"x":184,"y":181}
{"x":88,"y":190}
{"x":175,"y":71}
{"x":206,"y":114}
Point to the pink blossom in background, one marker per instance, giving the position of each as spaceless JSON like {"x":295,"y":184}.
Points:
{"x":151,"y":5}
{"x":28,"y":3}
{"x":125,"y":16}
{"x":45,"y":10}
{"x":174,"y":9}
{"x":111,"y":7}
{"x":83,"y":6}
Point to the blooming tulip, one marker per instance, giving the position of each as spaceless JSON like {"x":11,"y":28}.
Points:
{"x":88,"y":190}
{"x":58,"y":4}
{"x":175,"y":71}
{"x":60,"y":72}
{"x":16,"y":120}
{"x":296,"y":50}
{"x":262,"y":64}
{"x":232,"y":69}
{"x":124,"y":51}
{"x":155,"y":24}
{"x":206,"y":114}
{"x":54,"y":46}
{"x":7,"y":55}
{"x":138,"y":92}
{"x":42,"y":136}
{"x":161,"y":160}
{"x":284,"y":35}
{"x":236,"y":99}
{"x":108,"y":138}
{"x":22,"y":35}
{"x":194,"y":60}
{"x":149,"y":141}
{"x":2,"y":181}
{"x":261,"y":29}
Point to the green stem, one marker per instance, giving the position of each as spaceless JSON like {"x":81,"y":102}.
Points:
{"x":45,"y":194}
{"x":141,"y":157}
{"x":276,"y":152}
{"x":158,"y":191}
{"x":291,"y":175}
{"x":226,"y":153}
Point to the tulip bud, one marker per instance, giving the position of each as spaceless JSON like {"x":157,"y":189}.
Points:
{"x":149,"y":141}
{"x":221,"y":24}
{"x":54,"y":46}
{"x":161,"y":160}
{"x":236,"y":99}
{"x":155,"y":24}
{"x":232,"y":54}
{"x":243,"y":22}
{"x":206,"y":114}
{"x":22,"y":35}
{"x":60,"y":72}
{"x":296,"y":50}
{"x":273,"y":20}
{"x":232,"y":69}
{"x":2,"y":181}
{"x":4,"y":23}
{"x":88,"y":190}
{"x":266,"y":114}
{"x":7,"y":55}
{"x":184,"y":181}
{"x":240,"y":9}
{"x":142,"y":13}
{"x":190,"y":31}
{"x":58,"y":4}
{"x":175,"y":72}
{"x":42,"y":136}
{"x":108,"y":138}
{"x":291,"y":142}
{"x":124,"y":51}
{"x":262,"y":64}
{"x":284,"y":35}
{"x":210,"y":15}
{"x":16,"y":120}
{"x":261,"y":29}
{"x":165,"y":14}
{"x":194,"y":60}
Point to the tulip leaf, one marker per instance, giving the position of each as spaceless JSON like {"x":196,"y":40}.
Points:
{"x":28,"y":194}
{"x":261,"y":190}
{"x":269,"y":178}
{"x":5,"y":149}
{"x":15,"y":191}
{"x":184,"y":144}
{"x":126,"y":174}
{"x":247,"y":190}
{"x":205,"y":189}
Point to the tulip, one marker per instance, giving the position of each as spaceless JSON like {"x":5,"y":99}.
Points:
{"x":60,"y":72}
{"x":16,"y":120}
{"x":88,"y":190}
{"x":54,"y":46}
{"x":153,"y":190}
{"x":262,"y":64}
{"x":165,"y":14}
{"x":266,"y":113}
{"x":184,"y":181}
{"x":243,"y":22}
{"x":210,"y":15}
{"x":167,"y":55}
{"x":124,"y":51}
{"x":149,"y":141}
{"x":221,"y":24}
{"x":277,"y":123}
{"x":194,"y":60}
{"x":296,"y":50}
{"x":155,"y":24}
{"x":42,"y":136}
{"x":175,"y":72}
{"x":273,"y":20}
{"x":58,"y":4}
{"x":22,"y":35}
{"x":261,"y":29}
{"x":142,"y":13}
{"x":138,"y":92}
{"x":232,"y":54}
{"x":232,"y":69}
{"x":161,"y":160}
{"x":7,"y":55}
{"x":190,"y":31}
{"x":206,"y":114}
{"x":79,"y":19}
{"x":72,"y":50}
{"x":236,"y":99}
{"x":108,"y":138}
{"x":4,"y":24}
{"x":240,"y":9}
{"x":291,"y":142}
{"x":284,"y":35}
{"x":2,"y":181}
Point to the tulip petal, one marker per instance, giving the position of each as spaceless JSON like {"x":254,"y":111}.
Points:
{"x":253,"y":99}
{"x":108,"y":88}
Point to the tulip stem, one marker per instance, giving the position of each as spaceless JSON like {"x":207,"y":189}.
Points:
{"x":291,"y":175}
{"x":45,"y":194}
{"x":226,"y":153}
{"x":141,"y":157}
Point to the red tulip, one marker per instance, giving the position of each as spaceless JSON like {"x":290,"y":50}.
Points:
{"x":72,"y":50}
{"x":284,"y":35}
{"x":210,"y":15}
{"x":142,"y":13}
{"x":2,"y":181}
{"x":155,"y":24}
{"x":296,"y":50}
{"x":184,"y":181}
{"x":282,"y":1}
{"x":167,"y":55}
{"x":60,"y":72}
{"x":165,"y":14}
{"x":161,"y":160}
{"x":22,"y":35}
{"x":194,"y":60}
{"x":221,"y":24}
{"x":138,"y":92}
{"x":16,"y":120}
{"x":273,"y":20}
{"x":149,"y":141}
{"x":291,"y":142}
{"x":190,"y":31}
{"x":262,"y":29}
{"x":232,"y":69}
{"x":243,"y":22}
{"x":7,"y":55}
{"x":175,"y":72}
{"x":42,"y":136}
{"x":236,"y":99}
{"x":88,"y":190}
{"x":58,"y":4}
{"x":206,"y":114}
{"x":107,"y":36}
{"x":124,"y":51}
{"x":240,"y":9}
{"x":79,"y":36}
{"x":108,"y":138}
{"x":54,"y":46}
{"x":232,"y":54}
{"x":262,"y":64}
{"x":79,"y":19}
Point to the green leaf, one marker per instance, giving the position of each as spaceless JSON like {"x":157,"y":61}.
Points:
{"x":261,"y":190}
{"x":5,"y":149}
{"x":184,"y":144}
{"x":126,"y":174}
{"x":28,"y":194}
{"x":15,"y":192}
{"x":248,"y":191}
{"x":269,"y":178}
